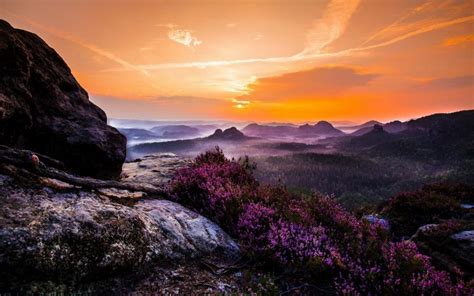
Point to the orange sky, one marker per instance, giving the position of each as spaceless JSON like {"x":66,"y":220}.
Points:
{"x":293,"y":60}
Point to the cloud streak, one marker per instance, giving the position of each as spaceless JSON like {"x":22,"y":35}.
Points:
{"x":92,"y":47}
{"x":335,"y":18}
{"x":330,"y":27}
{"x":459,"y":40}
{"x":307,"y":55}
{"x":184,"y":37}
{"x":441,"y":84}
{"x":316,"y":83}
{"x":396,"y":24}
{"x":422,"y":30}
{"x":181,"y":36}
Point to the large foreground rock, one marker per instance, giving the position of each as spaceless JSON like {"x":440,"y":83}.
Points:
{"x":72,"y":234}
{"x":44,"y":109}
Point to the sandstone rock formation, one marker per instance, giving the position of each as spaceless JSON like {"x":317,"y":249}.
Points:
{"x":44,"y":109}
{"x":154,"y":169}
{"x":454,"y":252}
{"x":74,"y":234}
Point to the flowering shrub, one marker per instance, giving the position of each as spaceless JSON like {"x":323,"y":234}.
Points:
{"x":411,"y":272}
{"x":401,"y":270}
{"x":432,"y":204}
{"x":296,"y":244}
{"x":253,"y":227}
{"x":215,"y":188}
{"x":310,"y":234}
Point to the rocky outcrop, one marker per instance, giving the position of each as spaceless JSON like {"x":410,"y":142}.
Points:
{"x":154,"y":169}
{"x":454,"y":252}
{"x":230,"y":134}
{"x":44,"y":109}
{"x":75,"y":234}
{"x":322,"y":128}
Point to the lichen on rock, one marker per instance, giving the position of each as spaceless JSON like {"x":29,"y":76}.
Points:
{"x":78,"y":235}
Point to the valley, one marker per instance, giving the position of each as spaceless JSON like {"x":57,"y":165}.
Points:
{"x":361,"y":167}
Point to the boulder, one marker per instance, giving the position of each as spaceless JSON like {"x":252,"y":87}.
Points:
{"x":154,"y":169}
{"x":43,"y":108}
{"x":374,"y":219}
{"x":73,"y":234}
{"x":448,"y":247}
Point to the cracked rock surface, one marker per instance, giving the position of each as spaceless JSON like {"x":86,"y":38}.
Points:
{"x":78,"y":235}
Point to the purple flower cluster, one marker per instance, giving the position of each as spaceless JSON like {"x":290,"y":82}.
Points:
{"x":401,"y":270}
{"x":312,"y":234}
{"x":214,"y":188}
{"x":254,"y":225}
{"x":298,"y":244}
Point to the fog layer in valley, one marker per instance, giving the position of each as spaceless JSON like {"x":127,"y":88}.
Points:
{"x":358,"y":164}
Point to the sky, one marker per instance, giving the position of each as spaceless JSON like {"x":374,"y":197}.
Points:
{"x":287,"y":61}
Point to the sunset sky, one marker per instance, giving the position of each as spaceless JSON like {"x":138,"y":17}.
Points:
{"x":293,"y":60}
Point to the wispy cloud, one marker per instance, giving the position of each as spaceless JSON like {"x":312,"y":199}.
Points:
{"x":441,"y":84}
{"x":257,"y":37}
{"x":459,"y":40}
{"x":430,"y":15}
{"x":181,"y":36}
{"x":240,"y":104}
{"x":168,"y":25}
{"x":330,"y":26}
{"x":326,"y":82}
{"x":323,"y":32}
{"x":328,"y":29}
{"x":90,"y":46}
{"x":425,"y":29}
{"x":396,"y":26}
{"x":184,"y":37}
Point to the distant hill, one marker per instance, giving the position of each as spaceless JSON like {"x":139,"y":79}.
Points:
{"x":437,"y":137}
{"x":395,"y":126}
{"x":362,"y":131}
{"x":374,"y":136}
{"x":289,"y":146}
{"x":258,"y":130}
{"x":352,"y":128}
{"x":175,"y":131}
{"x":148,"y":124}
{"x":457,"y":124}
{"x":206,"y":128}
{"x":391,"y":127}
{"x":281,"y":124}
{"x":321,"y":129}
{"x":137,"y":134}
{"x":228,"y":136}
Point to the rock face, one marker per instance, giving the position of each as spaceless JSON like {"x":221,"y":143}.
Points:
{"x":454,"y":252}
{"x":230,"y":134}
{"x":79,"y":235}
{"x":154,"y":169}
{"x":44,"y":109}
{"x":322,"y":128}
